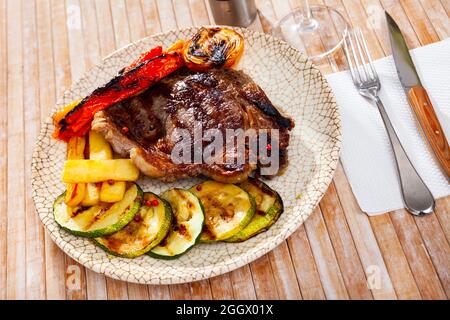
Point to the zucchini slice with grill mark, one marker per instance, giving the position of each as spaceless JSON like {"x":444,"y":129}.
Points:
{"x":148,"y":227}
{"x":228,"y":209}
{"x":269,"y":207}
{"x":186,"y":225}
{"x":99,"y":220}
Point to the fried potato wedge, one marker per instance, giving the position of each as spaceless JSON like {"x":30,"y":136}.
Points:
{"x":92,"y":195}
{"x":112,"y":192}
{"x":99,"y":148}
{"x":75,"y":191}
{"x":85,"y":171}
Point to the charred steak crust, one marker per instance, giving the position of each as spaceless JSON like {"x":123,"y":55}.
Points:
{"x":143,"y":126}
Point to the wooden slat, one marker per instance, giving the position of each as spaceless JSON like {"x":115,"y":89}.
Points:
{"x":182,"y":13}
{"x":446,"y":5}
{"x":120,"y":23}
{"x":437,"y":16}
{"x":263,"y":279}
{"x":307,"y":275}
{"x":396,"y":262}
{"x":322,"y":249}
{"x":199,"y":13}
{"x":419,"y":21}
{"x":116,"y":290}
{"x":180,"y":291}
{"x":344,"y":247}
{"x":166,"y":15}
{"x":201,"y":290}
{"x":16,"y":271}
{"x":437,"y":246}
{"x":221,"y":287}
{"x":159,"y":292}
{"x":3,"y":150}
{"x":243,"y":288}
{"x":54,"y":257}
{"x":284,"y":273}
{"x":151,"y":17}
{"x":443,"y":214}
{"x":137,"y":291}
{"x":91,"y":43}
{"x":75,"y":38}
{"x":375,"y":14}
{"x":363,"y":236}
{"x":35,"y":263}
{"x":95,"y":286}
{"x":105,"y":27}
{"x":421,"y":265}
{"x":135,"y":19}
{"x":395,"y":9}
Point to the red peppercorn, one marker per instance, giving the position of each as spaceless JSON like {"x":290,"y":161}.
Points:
{"x":110,"y":182}
{"x":155,"y":202}
{"x":125,"y":129}
{"x":198,"y":188}
{"x":268,"y":147}
{"x":138,"y":218}
{"x":148,"y":203}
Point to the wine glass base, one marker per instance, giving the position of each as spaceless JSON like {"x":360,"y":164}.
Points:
{"x":318,"y":36}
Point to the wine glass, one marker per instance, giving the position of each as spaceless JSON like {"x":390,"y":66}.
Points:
{"x":319,"y":30}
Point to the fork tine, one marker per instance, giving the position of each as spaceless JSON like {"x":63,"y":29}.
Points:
{"x":355,"y":58}
{"x":366,"y":49}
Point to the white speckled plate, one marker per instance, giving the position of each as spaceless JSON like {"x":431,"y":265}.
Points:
{"x":291,"y":82}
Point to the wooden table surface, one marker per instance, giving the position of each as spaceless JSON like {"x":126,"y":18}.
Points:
{"x":338,"y":253}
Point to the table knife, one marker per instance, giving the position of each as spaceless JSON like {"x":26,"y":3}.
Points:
{"x":418,"y":97}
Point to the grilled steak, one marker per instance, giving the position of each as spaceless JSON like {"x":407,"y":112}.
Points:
{"x":144,"y":126}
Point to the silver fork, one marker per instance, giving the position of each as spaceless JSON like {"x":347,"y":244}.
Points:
{"x":416,"y":196}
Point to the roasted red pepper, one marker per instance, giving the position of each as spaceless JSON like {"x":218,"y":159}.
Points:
{"x":78,"y":121}
{"x":152,"y":53}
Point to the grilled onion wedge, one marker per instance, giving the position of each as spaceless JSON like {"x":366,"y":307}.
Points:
{"x":186,"y":225}
{"x":228,"y":209}
{"x":269,"y":207}
{"x":148,"y":227}
{"x":213,"y":48}
{"x":99,"y":220}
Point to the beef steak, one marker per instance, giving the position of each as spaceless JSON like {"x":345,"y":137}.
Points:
{"x":143,"y":127}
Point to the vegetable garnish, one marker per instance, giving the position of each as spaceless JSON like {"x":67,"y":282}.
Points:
{"x":213,"y":47}
{"x":77,"y":122}
{"x":152,"y":53}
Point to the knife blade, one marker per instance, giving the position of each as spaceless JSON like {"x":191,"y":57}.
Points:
{"x":418,"y":97}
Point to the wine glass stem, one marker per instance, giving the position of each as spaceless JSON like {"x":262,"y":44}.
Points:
{"x":308,"y":23}
{"x":307,"y":20}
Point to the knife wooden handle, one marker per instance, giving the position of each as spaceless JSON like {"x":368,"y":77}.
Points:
{"x":421,"y":104}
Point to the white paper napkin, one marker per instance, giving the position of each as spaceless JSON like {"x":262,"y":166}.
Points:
{"x":366,"y":153}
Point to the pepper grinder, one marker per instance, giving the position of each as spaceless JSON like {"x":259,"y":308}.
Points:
{"x":239,"y":13}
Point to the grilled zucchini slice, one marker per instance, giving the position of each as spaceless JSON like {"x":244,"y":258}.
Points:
{"x":99,"y":220}
{"x":269,"y":207}
{"x":148,"y":227}
{"x":228,"y":209}
{"x":186,"y":225}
